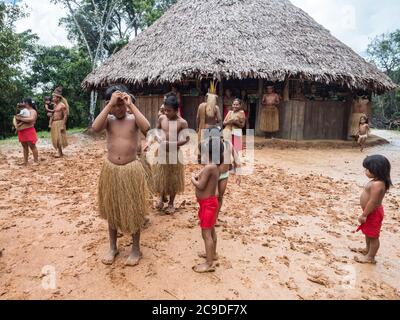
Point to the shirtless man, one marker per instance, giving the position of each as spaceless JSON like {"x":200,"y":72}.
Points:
{"x":169,"y":178}
{"x":59,"y":121}
{"x":123,"y":191}
{"x":269,"y":121}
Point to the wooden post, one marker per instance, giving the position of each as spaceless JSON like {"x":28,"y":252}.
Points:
{"x":286,"y":96}
{"x":221,"y":98}
{"x":259,"y":107}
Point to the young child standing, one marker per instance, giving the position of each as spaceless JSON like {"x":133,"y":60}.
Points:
{"x":123,"y":191}
{"x":169,"y":177}
{"x":363,"y":132}
{"x":377,"y":168}
{"x":206,"y":184}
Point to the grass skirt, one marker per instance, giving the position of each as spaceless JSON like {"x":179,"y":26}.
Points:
{"x":58,"y":138}
{"x":169,"y":178}
{"x":269,"y":120}
{"x":123,"y":195}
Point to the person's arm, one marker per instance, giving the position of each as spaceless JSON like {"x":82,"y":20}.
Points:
{"x":219,"y":117}
{"x":182,"y":142}
{"x":100,"y":123}
{"x":226,"y":122}
{"x":377,"y":192}
{"x":201,"y":181}
{"x":198,"y":118}
{"x":29,"y":120}
{"x":65,"y":115}
{"x":239,"y":123}
{"x":141,"y":121}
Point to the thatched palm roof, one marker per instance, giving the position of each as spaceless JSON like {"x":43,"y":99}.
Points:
{"x":267,"y":39}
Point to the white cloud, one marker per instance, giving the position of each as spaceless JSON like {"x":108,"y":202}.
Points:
{"x":354,"y":22}
{"x":43,"y":20}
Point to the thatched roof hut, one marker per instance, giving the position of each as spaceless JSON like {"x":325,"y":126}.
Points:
{"x":224,"y":39}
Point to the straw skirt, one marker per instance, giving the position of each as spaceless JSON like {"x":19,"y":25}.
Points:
{"x":58,"y":137}
{"x":269,"y":120}
{"x":123,"y":195}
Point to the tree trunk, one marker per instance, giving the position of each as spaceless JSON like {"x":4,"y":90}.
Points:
{"x":92,"y":110}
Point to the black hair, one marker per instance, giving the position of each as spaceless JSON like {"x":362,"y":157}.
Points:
{"x":237,"y":100}
{"x":366,"y":119}
{"x":119,"y":87}
{"x":215,"y":147}
{"x":172,"y":102}
{"x":380,"y":167}
{"x":170,"y":94}
{"x":30,"y":102}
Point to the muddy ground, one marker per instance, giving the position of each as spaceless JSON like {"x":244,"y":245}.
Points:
{"x":286,"y":231}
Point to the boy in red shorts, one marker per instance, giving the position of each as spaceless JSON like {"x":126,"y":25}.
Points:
{"x":206,"y":183}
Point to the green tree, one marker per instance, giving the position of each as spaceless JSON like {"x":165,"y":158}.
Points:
{"x":65,"y":67}
{"x":102,"y":27}
{"x":384,"y":51}
{"x":15,"y":48}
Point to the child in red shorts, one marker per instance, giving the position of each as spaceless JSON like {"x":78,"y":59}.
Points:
{"x":206,"y":183}
{"x":377,"y":168}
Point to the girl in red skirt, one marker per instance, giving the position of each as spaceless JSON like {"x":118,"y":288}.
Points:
{"x":26,"y":131}
{"x":377,"y":168}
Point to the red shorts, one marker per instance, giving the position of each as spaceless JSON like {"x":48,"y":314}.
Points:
{"x":208,"y":212}
{"x":28,"y":135}
{"x":372,"y":227}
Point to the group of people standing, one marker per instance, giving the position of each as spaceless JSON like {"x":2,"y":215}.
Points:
{"x":127,"y":179}
{"x":25,"y":119}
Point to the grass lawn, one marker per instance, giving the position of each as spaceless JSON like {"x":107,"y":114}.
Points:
{"x":41,"y":135}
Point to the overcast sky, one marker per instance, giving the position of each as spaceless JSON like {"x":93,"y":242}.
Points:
{"x":355,"y":22}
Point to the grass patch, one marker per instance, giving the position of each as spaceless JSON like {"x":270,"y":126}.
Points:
{"x":41,"y":135}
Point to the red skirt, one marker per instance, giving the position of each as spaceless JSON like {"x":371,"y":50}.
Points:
{"x":28,"y":135}
{"x":208,"y":212}
{"x":372,"y":227}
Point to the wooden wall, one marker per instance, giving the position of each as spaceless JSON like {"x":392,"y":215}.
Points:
{"x":299,"y":120}
{"x":313,"y":120}
{"x":149,"y":106}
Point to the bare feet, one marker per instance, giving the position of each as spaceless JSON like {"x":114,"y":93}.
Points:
{"x":363,"y":251}
{"x":365,"y":260}
{"x":109,"y":258}
{"x":170,"y":210}
{"x":203,"y":268}
{"x":204,"y":256}
{"x":36,"y":163}
{"x":160,"y":205}
{"x":133,"y":259}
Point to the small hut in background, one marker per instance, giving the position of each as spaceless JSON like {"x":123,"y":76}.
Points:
{"x":246,"y":45}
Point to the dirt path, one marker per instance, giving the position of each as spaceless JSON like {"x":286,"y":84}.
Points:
{"x":286,"y":232}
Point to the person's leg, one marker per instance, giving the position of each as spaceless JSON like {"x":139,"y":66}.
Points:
{"x":374,"y":245}
{"x":209,"y":246}
{"x":365,"y":250}
{"x":136,"y":255}
{"x":34,"y":152}
{"x":171,"y":207}
{"x":160,"y":204}
{"x":222,"y":184}
{"x":215,"y":255}
{"x":214,"y":237}
{"x":26,"y":152}
{"x":113,"y":252}
{"x":60,"y":152}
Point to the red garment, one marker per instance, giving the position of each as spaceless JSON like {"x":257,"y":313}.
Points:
{"x":28,"y":135}
{"x":208,"y":212}
{"x":237,"y":143}
{"x":372,"y":227}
